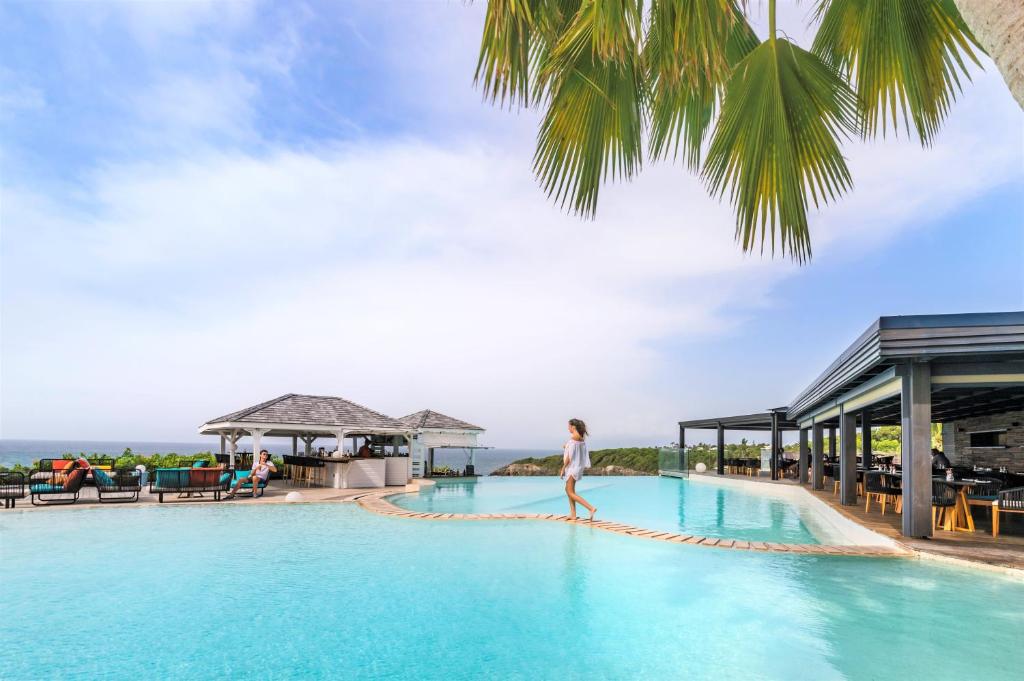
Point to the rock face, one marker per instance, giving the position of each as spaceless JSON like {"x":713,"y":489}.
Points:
{"x":523,"y":469}
{"x":535,"y":469}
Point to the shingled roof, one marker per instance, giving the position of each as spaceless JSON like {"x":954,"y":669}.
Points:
{"x":312,"y":410}
{"x":433,"y":419}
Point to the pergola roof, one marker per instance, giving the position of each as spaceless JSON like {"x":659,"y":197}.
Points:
{"x":941,"y":339}
{"x":760,"y":421}
{"x":436,"y":420}
{"x":293,"y":412}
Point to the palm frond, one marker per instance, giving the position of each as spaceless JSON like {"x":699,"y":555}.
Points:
{"x":593,"y":124}
{"x":688,"y":56}
{"x":776,"y":142}
{"x":904,"y":57}
{"x":503,"y":66}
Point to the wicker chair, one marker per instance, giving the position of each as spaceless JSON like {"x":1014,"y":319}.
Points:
{"x":53,"y":487}
{"x":943,"y":502}
{"x":835,"y":478}
{"x":119,"y":486}
{"x":12,"y":487}
{"x":874,"y":486}
{"x":1007,"y":501}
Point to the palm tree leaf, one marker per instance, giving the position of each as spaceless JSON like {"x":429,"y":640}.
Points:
{"x":904,"y":56}
{"x":688,"y":55}
{"x":503,"y":66}
{"x":776,"y":142}
{"x":593,"y":124}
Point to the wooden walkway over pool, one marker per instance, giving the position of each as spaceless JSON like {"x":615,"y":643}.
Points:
{"x":378,"y":502}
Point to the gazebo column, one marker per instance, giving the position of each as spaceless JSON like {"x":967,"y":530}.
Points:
{"x":340,"y":435}
{"x":257,"y":443}
{"x":721,"y":449}
{"x":308,"y":441}
{"x":233,"y":443}
{"x":916,"y":408}
{"x":295,"y":445}
{"x":223,"y":445}
{"x":805,"y":454}
{"x":865,"y":438}
{"x":847,"y":458}
{"x":818,"y":464}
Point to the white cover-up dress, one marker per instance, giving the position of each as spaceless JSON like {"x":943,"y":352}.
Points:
{"x":576,"y":459}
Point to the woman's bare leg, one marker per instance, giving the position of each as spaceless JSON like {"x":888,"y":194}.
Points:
{"x":569,"y":492}
{"x":570,"y":489}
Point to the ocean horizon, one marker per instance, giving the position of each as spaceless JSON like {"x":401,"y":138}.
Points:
{"x":24,"y":452}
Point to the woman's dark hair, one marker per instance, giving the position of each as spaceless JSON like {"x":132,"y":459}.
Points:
{"x":580,"y":427}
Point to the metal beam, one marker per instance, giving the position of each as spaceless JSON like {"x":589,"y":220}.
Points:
{"x":847,"y":458}
{"x":818,"y":457}
{"x":865,"y":438}
{"x":775,"y":446}
{"x":916,"y":445}
{"x":832,"y":443}
{"x":805,"y":454}
{"x":721,"y":449}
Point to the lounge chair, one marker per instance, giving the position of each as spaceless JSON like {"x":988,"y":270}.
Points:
{"x":53,"y":487}
{"x":189,"y":480}
{"x":119,"y":486}
{"x":12,"y":487}
{"x":1007,"y":501}
{"x":238,"y":475}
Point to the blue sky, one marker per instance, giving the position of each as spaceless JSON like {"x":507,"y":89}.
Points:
{"x":207,"y":204}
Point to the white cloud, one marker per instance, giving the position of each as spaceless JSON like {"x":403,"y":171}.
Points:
{"x":403,"y":273}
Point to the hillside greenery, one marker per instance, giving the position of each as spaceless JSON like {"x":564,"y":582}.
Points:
{"x":884,"y":439}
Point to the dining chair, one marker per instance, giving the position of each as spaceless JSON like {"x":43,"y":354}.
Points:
{"x":943,"y":503}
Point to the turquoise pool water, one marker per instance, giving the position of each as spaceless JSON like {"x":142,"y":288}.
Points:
{"x":330,"y":591}
{"x":655,"y":503}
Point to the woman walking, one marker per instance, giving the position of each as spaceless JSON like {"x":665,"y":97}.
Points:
{"x":575,"y":460}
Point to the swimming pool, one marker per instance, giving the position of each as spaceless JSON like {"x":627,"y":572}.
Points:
{"x":657,"y":503}
{"x":331,"y":591}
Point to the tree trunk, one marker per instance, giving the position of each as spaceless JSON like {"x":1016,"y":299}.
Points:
{"x":999,"y":27}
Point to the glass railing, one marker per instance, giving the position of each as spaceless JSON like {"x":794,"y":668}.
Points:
{"x":672,"y":461}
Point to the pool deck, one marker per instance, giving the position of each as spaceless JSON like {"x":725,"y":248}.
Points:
{"x":1005,"y":554}
{"x":976,"y":547}
{"x":275,"y":493}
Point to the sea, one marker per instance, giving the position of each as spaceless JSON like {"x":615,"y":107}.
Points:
{"x":27,"y":451}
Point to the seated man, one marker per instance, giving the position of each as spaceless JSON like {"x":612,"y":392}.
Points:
{"x":260,"y":473}
{"x":365,"y":451}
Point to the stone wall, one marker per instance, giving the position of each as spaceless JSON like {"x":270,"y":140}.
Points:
{"x":1012,"y":456}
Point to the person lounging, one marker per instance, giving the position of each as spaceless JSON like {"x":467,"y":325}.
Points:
{"x":260,"y":472}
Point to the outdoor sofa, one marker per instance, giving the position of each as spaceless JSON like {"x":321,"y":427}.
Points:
{"x":190,"y":482}
{"x":54,"y":487}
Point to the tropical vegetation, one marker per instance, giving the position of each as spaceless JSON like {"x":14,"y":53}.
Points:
{"x":762,"y":121}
